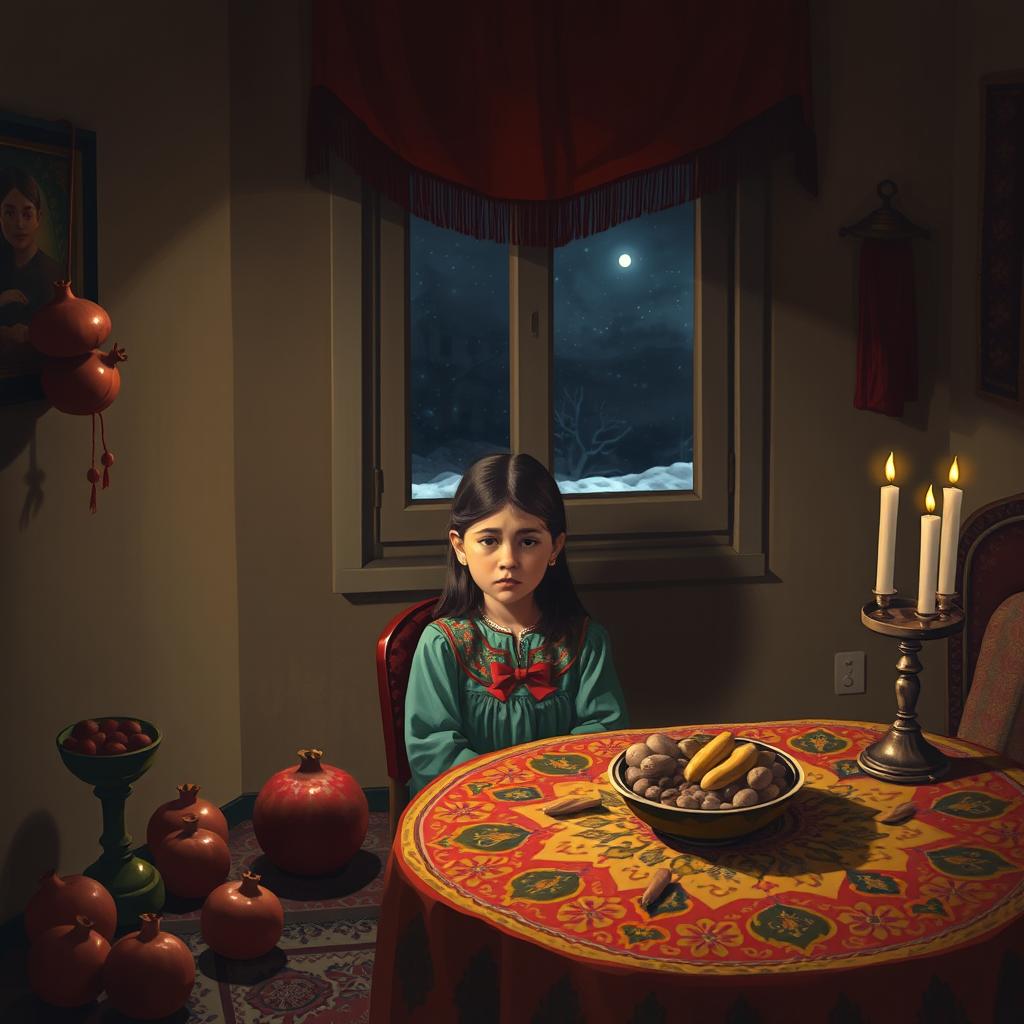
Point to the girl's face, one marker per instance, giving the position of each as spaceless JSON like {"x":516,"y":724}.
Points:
{"x":507,"y":555}
{"x":19,"y":219}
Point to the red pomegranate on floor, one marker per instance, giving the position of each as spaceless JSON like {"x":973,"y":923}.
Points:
{"x":60,"y":900}
{"x":149,"y":973}
{"x":168,"y":817}
{"x":311,"y":819}
{"x":192,"y":861}
{"x":65,"y":963}
{"x":242,"y":920}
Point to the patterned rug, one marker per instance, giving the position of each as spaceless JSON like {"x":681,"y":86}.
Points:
{"x":319,"y":973}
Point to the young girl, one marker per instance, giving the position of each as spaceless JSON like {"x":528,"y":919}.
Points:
{"x":511,"y":655}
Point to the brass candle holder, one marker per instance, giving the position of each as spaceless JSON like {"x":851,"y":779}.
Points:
{"x":903,"y":755}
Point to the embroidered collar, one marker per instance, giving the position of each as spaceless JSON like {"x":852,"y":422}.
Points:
{"x":505,"y":629}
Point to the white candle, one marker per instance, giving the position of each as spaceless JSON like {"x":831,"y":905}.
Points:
{"x":952,"y":499}
{"x":889,"y":506}
{"x":929,"y":557}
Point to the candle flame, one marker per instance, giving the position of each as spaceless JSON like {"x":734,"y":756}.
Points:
{"x":954,"y":472}
{"x":929,"y":501}
{"x":890,"y":469}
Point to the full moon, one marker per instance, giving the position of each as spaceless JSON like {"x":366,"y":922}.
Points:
{"x":625,"y":259}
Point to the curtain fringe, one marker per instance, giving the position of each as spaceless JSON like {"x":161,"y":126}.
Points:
{"x":334,"y":130}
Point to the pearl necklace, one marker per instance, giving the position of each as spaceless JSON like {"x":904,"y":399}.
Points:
{"x":505,"y":629}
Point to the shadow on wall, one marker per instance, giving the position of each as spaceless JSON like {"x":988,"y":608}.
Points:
{"x":34,"y":849}
{"x":18,"y":432}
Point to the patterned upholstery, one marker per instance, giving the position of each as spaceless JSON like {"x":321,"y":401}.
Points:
{"x":990,"y":568}
{"x":994,"y":712}
{"x":395,"y":648}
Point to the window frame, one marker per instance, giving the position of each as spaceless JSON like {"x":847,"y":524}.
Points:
{"x":611,"y":541}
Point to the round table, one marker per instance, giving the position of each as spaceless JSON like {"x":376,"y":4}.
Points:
{"x":494,"y":911}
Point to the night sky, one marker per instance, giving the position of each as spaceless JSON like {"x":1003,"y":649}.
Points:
{"x":624,"y":335}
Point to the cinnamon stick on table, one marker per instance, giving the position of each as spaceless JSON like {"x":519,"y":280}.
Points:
{"x":656,"y":886}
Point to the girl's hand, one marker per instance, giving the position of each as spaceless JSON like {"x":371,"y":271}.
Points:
{"x":13,"y":295}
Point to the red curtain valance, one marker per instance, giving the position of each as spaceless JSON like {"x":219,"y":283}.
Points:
{"x":541,"y":121}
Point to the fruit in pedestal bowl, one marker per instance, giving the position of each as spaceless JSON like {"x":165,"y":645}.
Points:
{"x":107,"y":737}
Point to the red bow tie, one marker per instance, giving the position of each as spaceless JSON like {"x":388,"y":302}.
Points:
{"x":506,"y":679}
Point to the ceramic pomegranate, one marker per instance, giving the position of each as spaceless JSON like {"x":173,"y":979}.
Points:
{"x":83,"y":384}
{"x":149,"y":973}
{"x":242,"y":920}
{"x":168,"y":817}
{"x":60,"y":900}
{"x":311,"y":819}
{"x":65,"y":963}
{"x":68,"y":325}
{"x":192,"y":861}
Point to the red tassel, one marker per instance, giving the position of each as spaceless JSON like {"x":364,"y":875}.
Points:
{"x":108,"y":456}
{"x":92,"y":499}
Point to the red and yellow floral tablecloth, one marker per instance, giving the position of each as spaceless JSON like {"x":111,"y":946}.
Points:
{"x":492,"y":907}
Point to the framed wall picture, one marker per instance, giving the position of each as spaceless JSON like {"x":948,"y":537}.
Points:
{"x":1001,"y":289}
{"x":35,"y":216}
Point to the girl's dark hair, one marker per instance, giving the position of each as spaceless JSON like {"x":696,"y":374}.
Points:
{"x":16,"y":177}
{"x":491,"y":483}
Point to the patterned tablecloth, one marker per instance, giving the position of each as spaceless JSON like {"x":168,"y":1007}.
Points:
{"x":491,"y":902}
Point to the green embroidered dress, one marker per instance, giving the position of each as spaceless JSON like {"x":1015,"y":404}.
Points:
{"x":453,"y":714}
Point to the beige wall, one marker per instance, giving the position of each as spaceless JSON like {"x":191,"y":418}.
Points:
{"x":132,"y":610}
{"x":897,"y":103}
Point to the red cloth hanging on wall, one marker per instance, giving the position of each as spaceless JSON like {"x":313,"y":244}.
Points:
{"x":887,"y":329}
{"x":540,"y":121}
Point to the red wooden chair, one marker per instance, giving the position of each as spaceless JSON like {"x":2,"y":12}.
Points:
{"x":986,"y":660}
{"x":395,"y":648}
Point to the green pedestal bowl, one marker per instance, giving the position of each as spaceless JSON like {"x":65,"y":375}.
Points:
{"x":135,"y":884}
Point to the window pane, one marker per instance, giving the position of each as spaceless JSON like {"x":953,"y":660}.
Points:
{"x":623,"y":360}
{"x":458,"y":359}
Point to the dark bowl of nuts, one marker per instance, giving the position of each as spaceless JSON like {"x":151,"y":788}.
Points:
{"x":707,"y":789}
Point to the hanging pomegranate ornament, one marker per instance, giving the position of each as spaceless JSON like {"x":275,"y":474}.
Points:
{"x":84,"y":384}
{"x":242,"y":920}
{"x":60,"y":900}
{"x":65,"y":963}
{"x":168,"y":817}
{"x":68,"y":325}
{"x":77,"y":377}
{"x":311,"y":819}
{"x":149,"y":973}
{"x":192,"y":861}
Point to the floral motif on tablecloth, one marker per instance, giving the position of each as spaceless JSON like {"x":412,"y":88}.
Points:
{"x":791,"y":926}
{"x":970,"y":805}
{"x":819,"y":741}
{"x":826,"y":878}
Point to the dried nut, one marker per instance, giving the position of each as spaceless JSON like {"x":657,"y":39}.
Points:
{"x":640,"y":786}
{"x":725,"y":807}
{"x":745,"y":798}
{"x":659,"y":743}
{"x":710,"y":803}
{"x":765,"y":758}
{"x":682,"y":762}
{"x":759,"y":777}
{"x":654,"y":766}
{"x":653,"y":792}
{"x":770,"y":792}
{"x":783,"y":784}
{"x":778,"y":769}
{"x":689,"y":747}
{"x":636,"y":753}
{"x":899,"y":814}
{"x":571,"y":804}
{"x":677,"y":781}
{"x":688,"y":802}
{"x":731,"y":790}
{"x":656,"y":886}
{"x":697,"y":793}
{"x":632,"y":774}
{"x":669,"y":795}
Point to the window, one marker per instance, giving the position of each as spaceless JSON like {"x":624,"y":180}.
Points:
{"x":630,"y":362}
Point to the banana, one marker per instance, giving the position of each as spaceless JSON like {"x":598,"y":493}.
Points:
{"x":714,"y":751}
{"x":736,"y":765}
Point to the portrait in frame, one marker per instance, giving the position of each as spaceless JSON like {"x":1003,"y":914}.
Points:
{"x":1001,"y":241}
{"x":35,"y":210}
